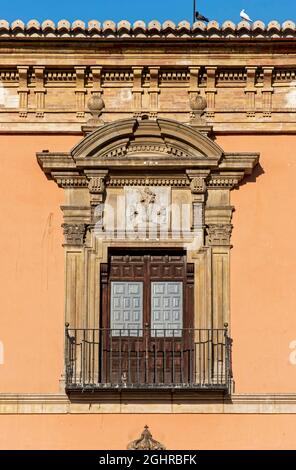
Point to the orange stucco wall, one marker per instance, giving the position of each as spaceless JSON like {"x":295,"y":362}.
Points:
{"x":263,"y":305}
{"x":116,"y":431}
{"x":263,"y":267}
{"x":31,"y":268}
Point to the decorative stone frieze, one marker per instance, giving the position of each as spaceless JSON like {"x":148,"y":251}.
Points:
{"x":224,"y":181}
{"x":173,"y":182}
{"x":68,"y":181}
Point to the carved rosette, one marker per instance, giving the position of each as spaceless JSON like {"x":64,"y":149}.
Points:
{"x":74,"y":234}
{"x":146,"y":442}
{"x":219,"y":234}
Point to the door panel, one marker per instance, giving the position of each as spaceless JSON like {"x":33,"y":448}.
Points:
{"x":147,"y":294}
{"x":126,"y":308}
{"x":166,"y":309}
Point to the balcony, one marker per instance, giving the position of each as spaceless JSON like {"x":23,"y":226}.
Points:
{"x":145,"y":359}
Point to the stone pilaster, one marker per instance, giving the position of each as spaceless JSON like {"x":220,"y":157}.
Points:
{"x":211,"y":91}
{"x":153,"y":92}
{"x":267,"y":92}
{"x":250,"y":92}
{"x":218,"y":215}
{"x":193,"y":83}
{"x":97,"y":80}
{"x":97,"y":193}
{"x":137,"y":91}
{"x":80,"y":91}
{"x":198,"y":190}
{"x":23,"y":91}
{"x":39,"y":91}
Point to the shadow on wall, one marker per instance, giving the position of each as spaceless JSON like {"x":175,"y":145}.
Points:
{"x":257,"y":172}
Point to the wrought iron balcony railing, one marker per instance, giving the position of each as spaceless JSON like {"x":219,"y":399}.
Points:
{"x":148,"y":359}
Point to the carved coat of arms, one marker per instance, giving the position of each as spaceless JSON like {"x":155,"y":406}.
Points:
{"x":147,"y":208}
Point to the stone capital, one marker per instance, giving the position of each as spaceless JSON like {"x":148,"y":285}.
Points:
{"x":74,"y":234}
{"x":219,"y":234}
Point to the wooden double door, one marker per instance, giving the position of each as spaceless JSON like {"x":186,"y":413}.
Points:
{"x":147,"y":318}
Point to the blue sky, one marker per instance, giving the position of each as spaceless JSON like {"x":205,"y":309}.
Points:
{"x":175,"y":10}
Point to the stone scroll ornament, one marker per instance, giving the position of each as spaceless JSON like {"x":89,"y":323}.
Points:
{"x":146,"y":442}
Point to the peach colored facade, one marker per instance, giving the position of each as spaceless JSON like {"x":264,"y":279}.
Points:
{"x":35,"y":412}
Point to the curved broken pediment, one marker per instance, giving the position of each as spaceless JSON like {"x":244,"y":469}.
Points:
{"x":159,"y":139}
{"x":161,"y":145}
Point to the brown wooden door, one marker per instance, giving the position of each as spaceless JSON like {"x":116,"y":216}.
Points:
{"x":147,"y":319}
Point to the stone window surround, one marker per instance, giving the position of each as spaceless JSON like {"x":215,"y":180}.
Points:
{"x":190,"y":159}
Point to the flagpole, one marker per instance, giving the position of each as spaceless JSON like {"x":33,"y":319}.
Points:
{"x":194,"y":10}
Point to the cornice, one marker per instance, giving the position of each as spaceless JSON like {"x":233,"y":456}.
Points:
{"x":164,"y":403}
{"x":63,"y":29}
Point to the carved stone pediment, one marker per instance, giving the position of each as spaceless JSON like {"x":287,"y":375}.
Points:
{"x":162,"y":138}
{"x":154,"y":144}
